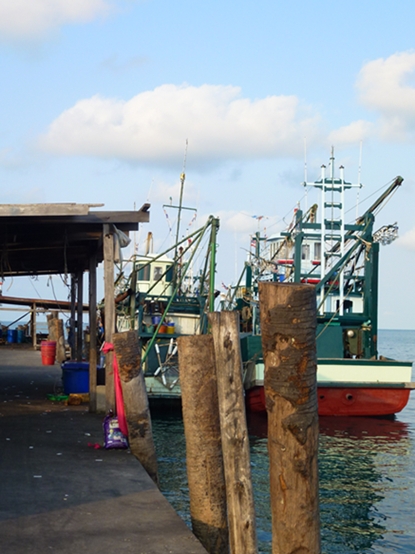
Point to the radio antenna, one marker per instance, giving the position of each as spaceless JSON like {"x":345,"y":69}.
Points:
{"x":358,"y":179}
{"x":305,"y":173}
{"x":182,"y":179}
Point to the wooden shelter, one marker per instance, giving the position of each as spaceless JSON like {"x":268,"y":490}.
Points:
{"x":69,"y":239}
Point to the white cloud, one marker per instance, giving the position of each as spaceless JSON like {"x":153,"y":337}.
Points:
{"x":407,"y":240}
{"x":32,"y":18}
{"x":153,"y":126}
{"x":351,"y":134}
{"x":386,"y":86}
{"x":245,"y":224}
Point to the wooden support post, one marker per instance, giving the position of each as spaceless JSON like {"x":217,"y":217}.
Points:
{"x":72,"y":328}
{"x":288,"y":326}
{"x":109,"y":312}
{"x":140,"y":436}
{"x":79,"y":314}
{"x":234,"y":432}
{"x":33,"y":326}
{"x":204,"y":461}
{"x":93,"y":333}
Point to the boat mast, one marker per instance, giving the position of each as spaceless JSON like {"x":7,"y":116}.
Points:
{"x":332,"y":226}
{"x":180,"y":207}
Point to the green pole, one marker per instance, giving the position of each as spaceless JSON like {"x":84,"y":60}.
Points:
{"x":213,"y":234}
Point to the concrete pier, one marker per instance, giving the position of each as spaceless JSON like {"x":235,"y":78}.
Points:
{"x":58,"y":493}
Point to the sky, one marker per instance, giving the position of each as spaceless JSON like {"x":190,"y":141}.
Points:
{"x":108,"y":101}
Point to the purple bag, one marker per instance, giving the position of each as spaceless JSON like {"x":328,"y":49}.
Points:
{"x":113,"y":436}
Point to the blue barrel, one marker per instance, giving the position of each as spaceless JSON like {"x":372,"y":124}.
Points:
{"x":75,"y":377}
{"x":11,"y":335}
{"x":20,"y":335}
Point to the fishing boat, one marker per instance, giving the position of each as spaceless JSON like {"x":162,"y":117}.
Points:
{"x":170,"y":294}
{"x":341,"y":261}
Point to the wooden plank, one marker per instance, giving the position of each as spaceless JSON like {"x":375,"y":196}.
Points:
{"x":60,"y":209}
{"x":204,"y":460}
{"x":234,"y":432}
{"x":60,"y":305}
{"x":288,"y":326}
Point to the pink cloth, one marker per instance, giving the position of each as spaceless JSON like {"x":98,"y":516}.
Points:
{"x":119,"y":402}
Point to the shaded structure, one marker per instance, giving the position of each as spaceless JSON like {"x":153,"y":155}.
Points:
{"x":68,"y":239}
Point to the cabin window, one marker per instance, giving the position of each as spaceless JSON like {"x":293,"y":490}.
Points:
{"x":143,"y":272}
{"x":158,"y":273}
{"x":317,"y":250}
{"x":169,"y":274}
{"x":305,"y":252}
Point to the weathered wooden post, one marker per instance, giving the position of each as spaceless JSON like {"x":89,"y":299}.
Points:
{"x":56,"y":333}
{"x":137,"y":413}
{"x":93,"y":355}
{"x":288,"y":327}
{"x":79,"y":313}
{"x":204,"y":461}
{"x":234,"y":432}
{"x":109,"y":307}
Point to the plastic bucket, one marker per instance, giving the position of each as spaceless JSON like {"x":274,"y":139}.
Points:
{"x":48,"y":352}
{"x":11,"y":335}
{"x":155,"y":319}
{"x":75,"y":377}
{"x":170,"y":328}
{"x":163,"y":329}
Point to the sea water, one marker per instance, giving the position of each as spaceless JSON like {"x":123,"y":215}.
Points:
{"x":366,"y":473}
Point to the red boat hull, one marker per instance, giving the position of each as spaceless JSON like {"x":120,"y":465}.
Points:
{"x":344,"y":401}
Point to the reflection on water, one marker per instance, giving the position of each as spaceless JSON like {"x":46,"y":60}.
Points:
{"x":367,"y":476}
{"x":361,"y":461}
{"x":354,"y":479}
{"x":366,"y":481}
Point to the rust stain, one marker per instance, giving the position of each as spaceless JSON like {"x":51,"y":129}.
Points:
{"x":227,"y":343}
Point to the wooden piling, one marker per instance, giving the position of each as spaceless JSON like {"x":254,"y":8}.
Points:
{"x":234,"y":432}
{"x":56,"y":333}
{"x":204,"y":461}
{"x":288,"y":326}
{"x":140,"y":436}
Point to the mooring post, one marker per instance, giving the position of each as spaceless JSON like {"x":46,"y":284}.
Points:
{"x":137,"y":413}
{"x":234,"y":432}
{"x":288,"y":327}
{"x":204,"y":461}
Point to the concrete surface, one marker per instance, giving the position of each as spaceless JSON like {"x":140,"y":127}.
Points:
{"x":60,"y":494}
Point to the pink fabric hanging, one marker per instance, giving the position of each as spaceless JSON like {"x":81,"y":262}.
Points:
{"x":119,"y":402}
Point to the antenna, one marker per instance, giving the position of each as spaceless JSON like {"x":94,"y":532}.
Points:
{"x":305,"y":173}
{"x":358,"y":179}
{"x":305,"y":159}
{"x":182,"y":179}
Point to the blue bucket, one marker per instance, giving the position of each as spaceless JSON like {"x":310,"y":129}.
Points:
{"x":75,"y":377}
{"x":11,"y":335}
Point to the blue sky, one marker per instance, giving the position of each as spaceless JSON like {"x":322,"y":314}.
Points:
{"x":98,"y":98}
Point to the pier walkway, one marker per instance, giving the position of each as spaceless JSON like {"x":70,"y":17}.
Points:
{"x":58,"y":493}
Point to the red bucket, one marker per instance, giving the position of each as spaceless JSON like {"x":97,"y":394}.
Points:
{"x":48,"y":352}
